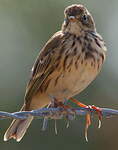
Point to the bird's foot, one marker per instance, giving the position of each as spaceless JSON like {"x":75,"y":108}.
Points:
{"x":55,"y":103}
{"x":88,"y":115}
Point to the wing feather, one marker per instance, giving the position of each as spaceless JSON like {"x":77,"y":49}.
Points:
{"x":43,"y":65}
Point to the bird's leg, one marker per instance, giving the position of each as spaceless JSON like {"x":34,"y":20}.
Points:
{"x":57,"y":103}
{"x":77,"y":102}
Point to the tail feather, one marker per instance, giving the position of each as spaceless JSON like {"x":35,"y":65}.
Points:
{"x":17,"y":129}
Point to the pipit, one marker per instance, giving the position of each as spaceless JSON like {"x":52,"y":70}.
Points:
{"x":66,"y":65}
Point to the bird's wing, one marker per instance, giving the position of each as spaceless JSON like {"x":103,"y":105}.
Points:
{"x":43,"y":65}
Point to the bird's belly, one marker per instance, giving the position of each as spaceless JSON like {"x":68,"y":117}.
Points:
{"x":79,"y":80}
{"x":72,"y":82}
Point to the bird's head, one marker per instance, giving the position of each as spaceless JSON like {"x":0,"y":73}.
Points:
{"x":77,"y":19}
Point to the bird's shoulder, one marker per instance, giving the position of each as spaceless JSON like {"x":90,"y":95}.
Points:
{"x":46,"y":53}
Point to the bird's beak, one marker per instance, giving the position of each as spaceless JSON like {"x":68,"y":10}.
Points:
{"x":72,"y":18}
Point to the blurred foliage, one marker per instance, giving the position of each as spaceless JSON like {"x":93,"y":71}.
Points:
{"x":25,"y":26}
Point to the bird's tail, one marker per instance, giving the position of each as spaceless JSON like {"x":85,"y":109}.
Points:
{"x":17,"y":129}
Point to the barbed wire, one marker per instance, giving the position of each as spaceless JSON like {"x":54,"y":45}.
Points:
{"x":60,"y":113}
{"x":57,"y":113}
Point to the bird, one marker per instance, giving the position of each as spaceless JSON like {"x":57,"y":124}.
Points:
{"x":69,"y":61}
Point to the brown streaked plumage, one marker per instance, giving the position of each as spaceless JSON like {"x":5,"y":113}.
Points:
{"x":65,"y":66}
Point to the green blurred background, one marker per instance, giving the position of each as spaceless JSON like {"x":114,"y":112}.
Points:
{"x":25,"y":26}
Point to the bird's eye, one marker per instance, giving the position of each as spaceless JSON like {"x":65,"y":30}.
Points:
{"x":84,"y":19}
